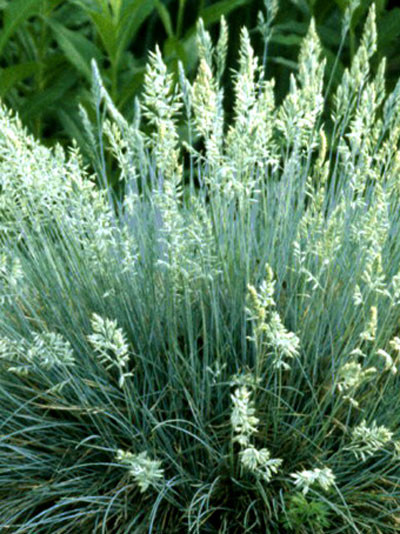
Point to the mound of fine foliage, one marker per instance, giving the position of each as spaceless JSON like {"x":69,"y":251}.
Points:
{"x":218,"y":350}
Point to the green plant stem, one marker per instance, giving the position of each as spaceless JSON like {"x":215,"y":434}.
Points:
{"x":179,"y":24}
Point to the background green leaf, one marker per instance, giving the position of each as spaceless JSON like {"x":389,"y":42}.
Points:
{"x":59,"y":36}
{"x":215,"y":11}
{"x":10,"y":76}
{"x":77,"y":48}
{"x":14,"y":14}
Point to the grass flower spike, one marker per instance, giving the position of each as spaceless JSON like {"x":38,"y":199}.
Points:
{"x":110,"y":343}
{"x":304,"y":480}
{"x":260,"y":462}
{"x":145,"y":471}
{"x":243,"y":419}
{"x":367,"y":440}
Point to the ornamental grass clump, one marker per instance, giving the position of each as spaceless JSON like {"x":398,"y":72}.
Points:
{"x":217,"y":349}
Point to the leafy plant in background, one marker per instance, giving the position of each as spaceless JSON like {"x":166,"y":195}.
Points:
{"x":213,"y":355}
{"x":292,"y":23}
{"x":46,"y":47}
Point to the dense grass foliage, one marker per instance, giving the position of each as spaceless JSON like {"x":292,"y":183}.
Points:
{"x":217,"y":351}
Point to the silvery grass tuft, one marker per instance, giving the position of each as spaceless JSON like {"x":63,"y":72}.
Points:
{"x":217,"y":350}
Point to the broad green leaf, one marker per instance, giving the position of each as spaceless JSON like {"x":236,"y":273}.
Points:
{"x":102,"y":19}
{"x":174,"y":50}
{"x":364,"y":4}
{"x":88,"y":5}
{"x":116,"y":8}
{"x":342,"y":4}
{"x":179,"y":23}
{"x":165,"y":17}
{"x":77,"y":48}
{"x":286,"y":62}
{"x":43,"y":100}
{"x":329,"y":36}
{"x":214,"y":12}
{"x":72,"y":124}
{"x":130,"y":88}
{"x":16,"y":12}
{"x":107,"y":32}
{"x":380,"y":5}
{"x":117,"y":34}
{"x":11,"y":76}
{"x":321,"y":9}
{"x":303,"y":6}
{"x":292,"y":27}
{"x":210,"y":15}
{"x":389,"y":27}
{"x":191,"y":57}
{"x":286,"y":40}
{"x":361,"y":12}
{"x":132,"y":18}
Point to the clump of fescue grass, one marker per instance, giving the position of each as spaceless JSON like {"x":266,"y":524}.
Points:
{"x":218,"y":351}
